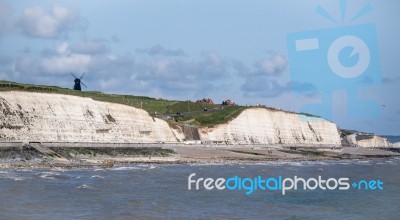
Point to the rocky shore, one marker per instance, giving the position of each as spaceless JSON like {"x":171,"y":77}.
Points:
{"x":87,"y":157}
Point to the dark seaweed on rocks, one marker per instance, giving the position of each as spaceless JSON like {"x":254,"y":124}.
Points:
{"x":24,"y":153}
{"x":120,"y":151}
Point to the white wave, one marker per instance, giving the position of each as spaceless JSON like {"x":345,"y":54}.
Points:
{"x":24,"y":170}
{"x":270,"y":163}
{"x":84,"y":186}
{"x":127,"y":168}
{"x":59,"y":169}
{"x":53,"y":175}
{"x":296,"y":164}
{"x":142,"y":165}
{"x":363,"y":161}
{"x":152,"y":167}
{"x":50,"y":173}
{"x":97,"y":176}
{"x":344,"y":162}
{"x":203,"y":164}
{"x":47,"y":176}
{"x":11,"y":176}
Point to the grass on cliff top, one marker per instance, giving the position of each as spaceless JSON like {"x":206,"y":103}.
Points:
{"x":364,"y":137}
{"x":187,"y":106}
{"x":211,"y":119}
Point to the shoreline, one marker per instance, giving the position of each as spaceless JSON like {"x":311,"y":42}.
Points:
{"x":62,"y":157}
{"x":24,"y":165}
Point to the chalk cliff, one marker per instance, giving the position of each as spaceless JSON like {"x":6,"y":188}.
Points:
{"x":375,"y":141}
{"x":27,"y":116}
{"x":368,"y":141}
{"x":266,"y":126}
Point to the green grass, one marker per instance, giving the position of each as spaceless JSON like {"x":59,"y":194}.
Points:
{"x":364,"y":137}
{"x":214,"y":118}
{"x":187,"y":106}
{"x":308,"y":114}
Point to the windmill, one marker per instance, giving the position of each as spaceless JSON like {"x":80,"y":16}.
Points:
{"x":78,"y":82}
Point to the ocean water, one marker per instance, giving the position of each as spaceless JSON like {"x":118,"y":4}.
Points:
{"x":161,"y":192}
{"x":393,"y":139}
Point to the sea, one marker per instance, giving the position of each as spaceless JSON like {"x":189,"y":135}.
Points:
{"x":153,"y":191}
{"x":392,"y":139}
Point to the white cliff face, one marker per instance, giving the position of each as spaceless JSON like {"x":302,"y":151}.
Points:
{"x":351,"y":139}
{"x":27,"y":116}
{"x":264,"y":126}
{"x":375,"y":141}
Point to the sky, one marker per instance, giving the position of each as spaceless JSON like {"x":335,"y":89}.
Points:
{"x":218,"y":49}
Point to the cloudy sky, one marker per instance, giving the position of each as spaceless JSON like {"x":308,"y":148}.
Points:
{"x":186,"y":49}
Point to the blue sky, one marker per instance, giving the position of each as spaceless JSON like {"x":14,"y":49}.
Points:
{"x":186,"y":49}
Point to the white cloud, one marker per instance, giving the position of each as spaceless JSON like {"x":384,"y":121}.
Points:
{"x":109,"y":84}
{"x":66,"y":63}
{"x":273,"y":65}
{"x":91,"y":46}
{"x":266,"y":79}
{"x":258,"y":86}
{"x":23,"y":65}
{"x":62,"y":48}
{"x":240,"y":68}
{"x":36,"y":22}
{"x":210,"y":67}
{"x":176,"y":77}
{"x":213,"y":58}
{"x":160,"y":66}
{"x":159,"y":50}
